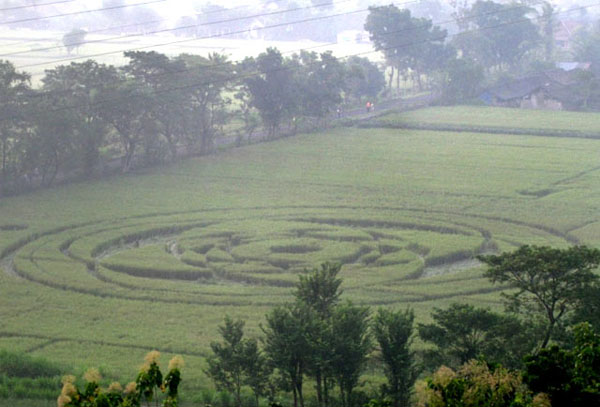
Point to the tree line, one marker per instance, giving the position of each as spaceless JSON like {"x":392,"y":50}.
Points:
{"x":491,"y":43}
{"x":543,"y":349}
{"x":155,"y":106}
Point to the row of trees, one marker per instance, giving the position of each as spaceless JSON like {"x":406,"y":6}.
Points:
{"x":494,"y":41}
{"x":322,"y":338}
{"x":155,"y":105}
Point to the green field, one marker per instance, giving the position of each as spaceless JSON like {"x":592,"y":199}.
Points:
{"x":495,"y":118}
{"x":97,"y":274}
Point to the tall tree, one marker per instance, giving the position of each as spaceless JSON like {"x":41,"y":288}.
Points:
{"x":571,"y":377}
{"x":51,"y":142}
{"x":463,"y":332}
{"x":393,"y":331}
{"x":320,"y":291}
{"x":127,"y":108}
{"x":546,"y":280}
{"x":286,"y":342}
{"x":352,"y":345}
{"x":363,"y":78}
{"x":321,"y":79}
{"x":410,"y":45}
{"x":500,"y":35}
{"x":206,"y":81}
{"x":14,"y":86}
{"x":226,"y":364}
{"x":166,"y":97}
{"x":81,"y":87}
{"x":272,"y":86}
{"x":256,"y":369}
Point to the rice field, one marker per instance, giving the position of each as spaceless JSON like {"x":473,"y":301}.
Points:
{"x":97,"y":274}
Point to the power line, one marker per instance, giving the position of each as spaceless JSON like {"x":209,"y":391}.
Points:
{"x":116,"y":27}
{"x":318,"y":46}
{"x":26,"y":20}
{"x":406,"y":45}
{"x":333,"y":43}
{"x":170,"y":30}
{"x":306,"y":20}
{"x":36,"y":5}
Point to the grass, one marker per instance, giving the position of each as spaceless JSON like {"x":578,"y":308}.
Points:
{"x":90,"y":276}
{"x":499,"y":118}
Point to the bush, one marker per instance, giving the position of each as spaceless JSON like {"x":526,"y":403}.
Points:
{"x":20,"y":365}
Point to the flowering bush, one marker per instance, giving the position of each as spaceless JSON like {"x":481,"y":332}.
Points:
{"x":149,"y":385}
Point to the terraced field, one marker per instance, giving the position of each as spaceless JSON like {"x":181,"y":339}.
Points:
{"x":99,"y":273}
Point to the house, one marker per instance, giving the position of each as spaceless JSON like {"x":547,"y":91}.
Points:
{"x":552,"y":90}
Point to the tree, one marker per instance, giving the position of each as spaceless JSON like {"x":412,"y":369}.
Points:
{"x":587,"y":47}
{"x":286,"y":342}
{"x":226,"y":364}
{"x":320,"y":81}
{"x":74,"y":39}
{"x":127,"y":109}
{"x":272,"y":86}
{"x":477,"y":384}
{"x":500,"y":35}
{"x":410,"y":45}
{"x":14,"y":86}
{"x":352,"y":345}
{"x":393,"y":331}
{"x":546,"y":280}
{"x":166,"y":98}
{"x":82,"y":87}
{"x":570,"y":377}
{"x":462,"y":80}
{"x":205,"y":81}
{"x":588,"y":308}
{"x":463,"y":332}
{"x":150,"y":386}
{"x":256,"y":369}
{"x":51,"y":142}
{"x":363,"y":78}
{"x":320,"y":291}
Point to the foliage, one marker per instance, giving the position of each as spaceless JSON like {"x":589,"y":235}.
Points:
{"x":547,"y":280}
{"x":350,"y":348}
{"x":408,"y":43}
{"x":14,"y":364}
{"x":364,"y":78}
{"x":149,"y":386}
{"x":393,"y":331}
{"x":462,"y":80}
{"x":271,"y":85}
{"x":570,"y":377}
{"x":14,"y":86}
{"x":501,"y":34}
{"x":463,"y":332}
{"x":286,"y":342}
{"x":226,"y":364}
{"x":78,"y":88}
{"x":477,"y":384}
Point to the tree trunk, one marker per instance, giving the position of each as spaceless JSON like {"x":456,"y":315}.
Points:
{"x":295,"y":395}
{"x":319,"y":386}
{"x":391,"y":79}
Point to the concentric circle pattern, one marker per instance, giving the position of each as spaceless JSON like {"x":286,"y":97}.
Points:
{"x":230,"y":256}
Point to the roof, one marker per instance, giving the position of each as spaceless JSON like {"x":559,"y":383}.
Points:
{"x":517,"y":89}
{"x":555,"y":79}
